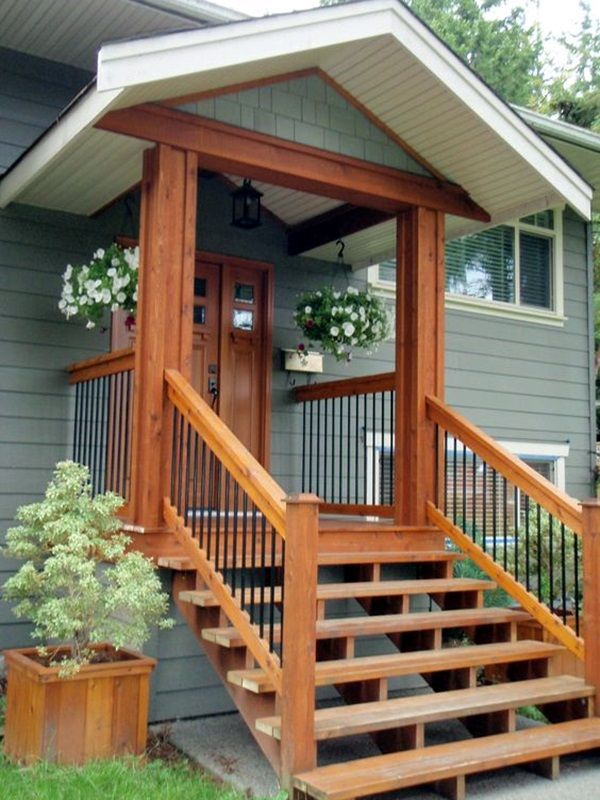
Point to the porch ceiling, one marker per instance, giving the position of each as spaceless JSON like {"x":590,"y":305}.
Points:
{"x":377,"y":50}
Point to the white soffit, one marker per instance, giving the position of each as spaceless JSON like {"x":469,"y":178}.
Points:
{"x":376,"y":50}
{"x":72,"y":31}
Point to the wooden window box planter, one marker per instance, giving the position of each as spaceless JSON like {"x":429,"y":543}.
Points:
{"x":100,"y":712}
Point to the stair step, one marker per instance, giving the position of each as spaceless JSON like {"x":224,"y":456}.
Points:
{"x":366,"y":717}
{"x":354,"y":589}
{"x":176,"y":563}
{"x":349,"y":670}
{"x":384,"y":623}
{"x":394,"y":771}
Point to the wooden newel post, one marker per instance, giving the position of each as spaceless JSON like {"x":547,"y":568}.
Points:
{"x":591,"y":594}
{"x":298,"y":747}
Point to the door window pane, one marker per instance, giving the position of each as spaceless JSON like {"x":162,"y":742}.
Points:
{"x":200,"y":287}
{"x":243,"y":320}
{"x":244,"y":293}
{"x":199,"y":315}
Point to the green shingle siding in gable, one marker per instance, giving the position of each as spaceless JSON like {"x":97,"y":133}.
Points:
{"x":307,"y":111}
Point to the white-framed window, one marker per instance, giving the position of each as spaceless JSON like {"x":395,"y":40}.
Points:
{"x":512,"y":270}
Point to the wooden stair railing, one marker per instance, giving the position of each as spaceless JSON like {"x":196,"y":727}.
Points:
{"x":256,"y":550}
{"x":345,"y":424}
{"x":514,"y":524}
{"x":103,"y":419}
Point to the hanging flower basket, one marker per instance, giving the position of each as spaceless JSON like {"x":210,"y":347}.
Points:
{"x":340,"y":321}
{"x":108,"y":282}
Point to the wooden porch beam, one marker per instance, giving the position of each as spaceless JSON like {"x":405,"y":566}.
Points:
{"x":331,"y":225}
{"x":226,"y":148}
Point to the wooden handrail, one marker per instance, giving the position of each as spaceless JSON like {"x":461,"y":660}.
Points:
{"x":101,"y":366}
{"x":526,"y":599}
{"x":252,"y":477}
{"x":348,"y":387}
{"x":553,"y":500}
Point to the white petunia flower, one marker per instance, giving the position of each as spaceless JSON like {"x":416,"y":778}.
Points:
{"x":68,"y":272}
{"x":334,"y":331}
{"x":354,"y":316}
{"x":90,"y":324}
{"x":307,"y":309}
{"x":121,"y":297}
{"x":336,"y":295}
{"x":111,"y":272}
{"x":352,"y":290}
{"x":348,"y":328}
{"x":106,"y":296}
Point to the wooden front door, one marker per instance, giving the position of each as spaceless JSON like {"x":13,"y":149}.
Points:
{"x":231,"y":366}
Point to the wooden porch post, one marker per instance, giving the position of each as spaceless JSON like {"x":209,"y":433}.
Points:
{"x":419,"y":357}
{"x":298,"y":745}
{"x":164,"y":321}
{"x":591,"y":595}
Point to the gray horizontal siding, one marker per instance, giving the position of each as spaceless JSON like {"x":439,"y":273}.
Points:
{"x":32,"y":93}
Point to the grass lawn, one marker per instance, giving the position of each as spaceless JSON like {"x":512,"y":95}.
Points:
{"x":124,"y":779}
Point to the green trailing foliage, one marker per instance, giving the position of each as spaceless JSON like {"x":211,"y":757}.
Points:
{"x":78,"y":584}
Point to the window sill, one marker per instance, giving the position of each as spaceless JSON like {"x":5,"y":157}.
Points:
{"x":506,"y":310}
{"x":495,"y":309}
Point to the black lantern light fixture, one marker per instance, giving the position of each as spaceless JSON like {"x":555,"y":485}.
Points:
{"x":245,"y":211}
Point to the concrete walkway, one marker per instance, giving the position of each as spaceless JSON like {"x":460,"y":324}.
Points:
{"x":224,"y":747}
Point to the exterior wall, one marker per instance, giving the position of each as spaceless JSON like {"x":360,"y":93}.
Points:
{"x":529,"y":381}
{"x":32,"y":93}
{"x":308,"y":111}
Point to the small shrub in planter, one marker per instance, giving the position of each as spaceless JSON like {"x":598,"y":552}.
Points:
{"x":88,"y":696}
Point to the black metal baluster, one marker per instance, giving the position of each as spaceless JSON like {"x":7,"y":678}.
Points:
{"x":119,"y":428}
{"x":174,"y":453}
{"x":341,"y":498}
{"x":527,"y":547}
{"x":318,"y":450}
{"x":304,"y":446}
{"x":128,"y":416}
{"x":218,"y":486}
{"x":474,"y":495}
{"x":263,"y":573}
{"x":464,"y":488}
{"x":243,"y":575}
{"x":454,"y":478}
{"x":272,"y":574}
{"x":393,"y":448}
{"x":484,"y":508}
{"x":180,"y":463}
{"x":195,"y":487}
{"x":551,"y":559}
{"x":374,"y":449}
{"x":356,"y":441}
{"x":227,"y":513}
{"x":348,"y":451}
{"x":210,"y":503}
{"x":446,"y":473}
{"x":188,"y":461}
{"x":576,"y":581}
{"x":236,"y":514}
{"x":203,"y":494}
{"x":539,"y":551}
{"x":505,"y":521}
{"x":310,"y":450}
{"x":76,"y":422}
{"x":563,"y":571}
{"x":494,"y":512}
{"x":253,"y":566}
{"x":364,"y":498}
{"x":517,"y":531}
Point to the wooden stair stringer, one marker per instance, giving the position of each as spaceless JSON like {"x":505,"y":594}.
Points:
{"x":251,"y":706}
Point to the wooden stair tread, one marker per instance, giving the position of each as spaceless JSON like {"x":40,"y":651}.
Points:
{"x":413,"y":767}
{"x":385,"y":623}
{"x":431,"y":707}
{"x":387,"y":557}
{"x":176,"y":563}
{"x":345,"y":591}
{"x":346,"y":670}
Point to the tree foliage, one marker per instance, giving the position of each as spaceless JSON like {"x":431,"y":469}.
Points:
{"x":64,"y":588}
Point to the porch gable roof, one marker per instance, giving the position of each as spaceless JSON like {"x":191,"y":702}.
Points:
{"x":377,"y":50}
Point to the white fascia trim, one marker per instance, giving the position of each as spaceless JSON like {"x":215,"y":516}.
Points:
{"x":78,"y":119}
{"x":558,"y":129}
{"x":167,"y":56}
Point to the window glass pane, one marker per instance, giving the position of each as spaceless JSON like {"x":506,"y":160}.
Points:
{"x":543,"y":219}
{"x":200,"y":287}
{"x":536,"y":261}
{"x":244,"y":293}
{"x":544,"y":468}
{"x":199,"y":315}
{"x":483,"y":265}
{"x":243,"y":320}
{"x":387,"y":270}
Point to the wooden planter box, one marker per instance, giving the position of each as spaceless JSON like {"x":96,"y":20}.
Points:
{"x":101,"y":712}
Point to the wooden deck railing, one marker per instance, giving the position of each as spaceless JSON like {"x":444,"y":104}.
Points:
{"x":347,"y":444}
{"x":255,"y":549}
{"x":103,"y":419}
{"x":516,"y":525}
